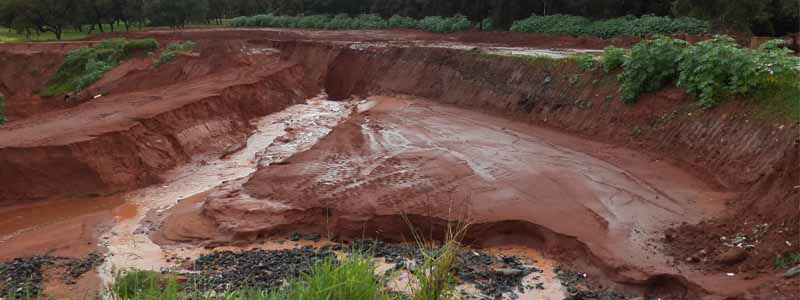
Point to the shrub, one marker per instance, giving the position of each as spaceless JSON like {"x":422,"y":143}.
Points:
{"x":585,"y":61}
{"x":487,"y":24}
{"x":402,"y":22}
{"x":85,"y":65}
{"x":445,"y":25}
{"x":168,"y":54}
{"x":710,"y":70}
{"x":133,"y":47}
{"x":613,"y":58}
{"x":650,"y":64}
{"x":343,"y":21}
{"x":553,"y":24}
{"x":719,"y":67}
{"x":628,"y":25}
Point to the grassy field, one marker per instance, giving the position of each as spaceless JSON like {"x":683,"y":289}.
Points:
{"x":11,"y":36}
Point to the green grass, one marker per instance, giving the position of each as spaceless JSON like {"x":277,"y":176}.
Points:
{"x":85,"y":65}
{"x":351,"y":278}
{"x":168,"y":54}
{"x":11,"y":36}
{"x":787,"y":260}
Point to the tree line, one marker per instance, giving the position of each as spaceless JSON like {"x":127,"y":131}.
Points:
{"x":762,"y":17}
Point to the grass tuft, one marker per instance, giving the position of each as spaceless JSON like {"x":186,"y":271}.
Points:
{"x":168,"y":54}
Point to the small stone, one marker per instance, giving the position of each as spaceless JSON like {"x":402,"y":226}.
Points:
{"x":792,"y":272}
{"x":508,"y":272}
{"x":692,"y":259}
{"x":732,"y":256}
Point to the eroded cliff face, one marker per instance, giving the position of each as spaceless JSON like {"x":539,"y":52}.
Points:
{"x":443,"y":129}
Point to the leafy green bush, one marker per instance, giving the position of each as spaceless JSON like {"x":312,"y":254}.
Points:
{"x":613,"y":58}
{"x":628,"y":25}
{"x":168,"y":54}
{"x":402,"y":22}
{"x":85,"y":65}
{"x":585,"y":61}
{"x":719,"y":67}
{"x":343,"y":21}
{"x":487,"y":24}
{"x":650,"y":64}
{"x":445,"y":25}
{"x":709,"y":70}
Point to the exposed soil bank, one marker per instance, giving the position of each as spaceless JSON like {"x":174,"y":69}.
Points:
{"x":160,"y":120}
{"x":127,"y":139}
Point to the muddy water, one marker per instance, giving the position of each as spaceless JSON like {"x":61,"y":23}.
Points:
{"x":130,"y":247}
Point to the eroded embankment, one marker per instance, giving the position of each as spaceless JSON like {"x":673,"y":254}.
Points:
{"x":127,"y":139}
{"x":730,"y":149}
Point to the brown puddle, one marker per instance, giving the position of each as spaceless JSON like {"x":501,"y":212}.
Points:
{"x":21,"y":218}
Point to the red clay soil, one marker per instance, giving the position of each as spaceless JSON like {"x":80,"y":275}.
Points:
{"x":25,"y":69}
{"x":126,"y":139}
{"x":599,"y":202}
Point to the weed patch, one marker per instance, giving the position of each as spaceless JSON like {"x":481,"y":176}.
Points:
{"x":85,"y":65}
{"x":168,"y":54}
{"x":787,"y":260}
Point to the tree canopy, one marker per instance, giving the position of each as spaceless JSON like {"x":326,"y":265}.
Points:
{"x":764,"y":17}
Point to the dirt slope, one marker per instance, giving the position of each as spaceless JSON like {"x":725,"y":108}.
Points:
{"x":604,"y":202}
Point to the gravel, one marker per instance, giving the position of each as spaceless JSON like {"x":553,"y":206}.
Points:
{"x":23,"y":277}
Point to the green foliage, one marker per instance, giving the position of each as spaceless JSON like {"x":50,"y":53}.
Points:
{"x":85,"y":65}
{"x":613,"y":58}
{"x":435,"y":277}
{"x":445,"y":25}
{"x":487,"y":24}
{"x":585,"y":61}
{"x":402,"y":22}
{"x":719,"y":67}
{"x":343,"y":21}
{"x":2,"y":114}
{"x":353,"y":278}
{"x":710,"y":70}
{"x":628,"y":25}
{"x":650,"y":65}
{"x":168,"y":54}
{"x":787,"y":260}
{"x":144,"y":285}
